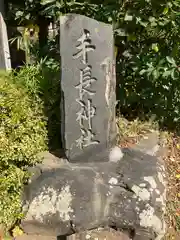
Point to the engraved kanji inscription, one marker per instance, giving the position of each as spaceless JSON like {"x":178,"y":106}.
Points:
{"x":86,"y":138}
{"x":85,"y":82}
{"x":87,"y":112}
{"x":84,"y":47}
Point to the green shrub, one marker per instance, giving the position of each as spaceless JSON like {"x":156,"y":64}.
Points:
{"x":42,"y":80}
{"x":22,"y":136}
{"x":29,"y":77}
{"x":147,"y":35}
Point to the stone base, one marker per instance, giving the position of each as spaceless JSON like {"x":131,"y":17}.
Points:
{"x":65,"y":198}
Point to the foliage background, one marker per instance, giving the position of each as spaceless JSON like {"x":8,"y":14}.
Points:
{"x":147,"y":38}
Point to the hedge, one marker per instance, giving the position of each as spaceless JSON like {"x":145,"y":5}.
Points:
{"x":23,"y":135}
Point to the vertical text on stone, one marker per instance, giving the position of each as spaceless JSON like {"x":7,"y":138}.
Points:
{"x":87,"y":110}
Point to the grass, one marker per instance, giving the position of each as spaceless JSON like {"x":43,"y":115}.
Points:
{"x":130,"y":133}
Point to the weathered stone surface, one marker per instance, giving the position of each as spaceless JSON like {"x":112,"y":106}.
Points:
{"x":126,"y":194}
{"x":100,"y":234}
{"x":150,"y":144}
{"x":88,"y":88}
{"x":36,"y":237}
{"x":5,"y":61}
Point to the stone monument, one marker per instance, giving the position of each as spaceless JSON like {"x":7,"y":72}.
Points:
{"x":5,"y":60}
{"x":102,"y":185}
{"x":88,"y":86}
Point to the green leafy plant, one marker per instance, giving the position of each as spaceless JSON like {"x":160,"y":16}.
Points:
{"x":30,"y":78}
{"x":147,"y":38}
{"x":26,"y":39}
{"x":42,"y":81}
{"x":22,"y":136}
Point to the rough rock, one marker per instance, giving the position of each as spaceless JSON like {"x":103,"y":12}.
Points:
{"x":126,"y":193}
